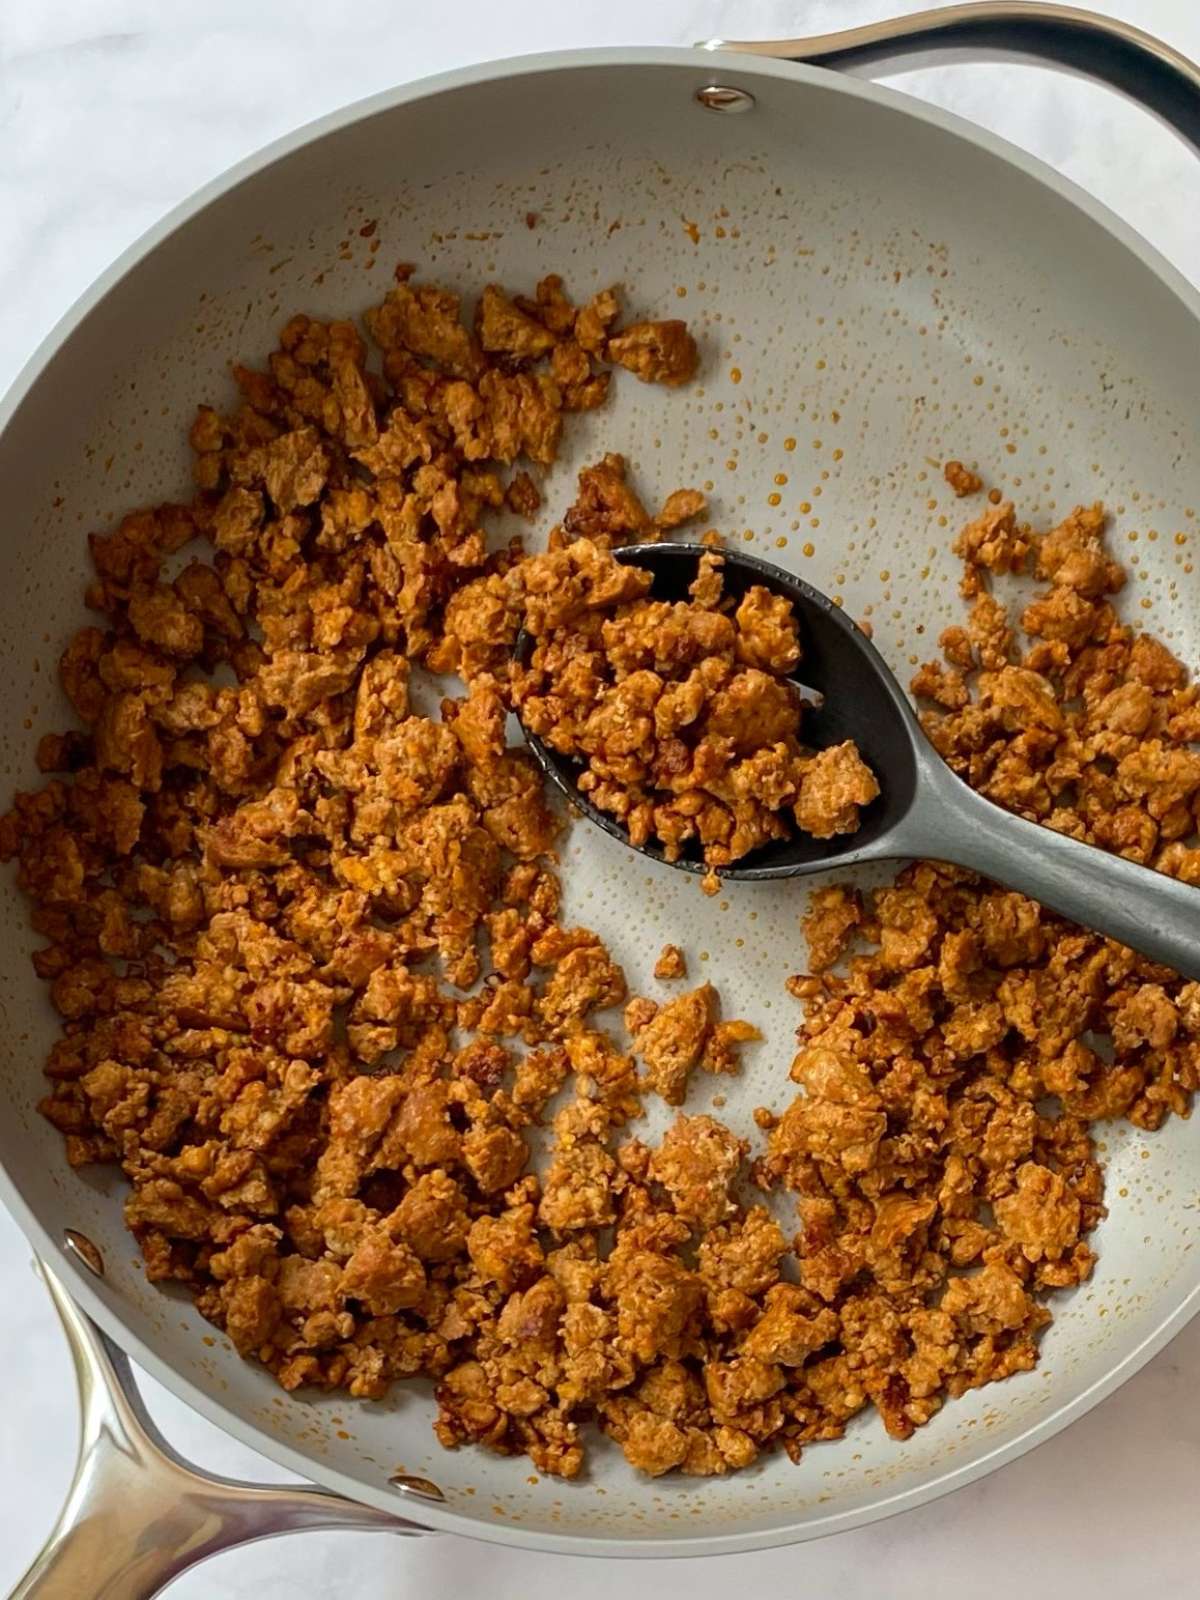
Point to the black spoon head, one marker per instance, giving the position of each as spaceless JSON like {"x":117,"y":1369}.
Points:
{"x":852,"y":695}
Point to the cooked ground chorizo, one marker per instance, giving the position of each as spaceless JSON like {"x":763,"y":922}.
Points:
{"x":681,"y":715}
{"x":317,"y":1000}
{"x":671,"y":963}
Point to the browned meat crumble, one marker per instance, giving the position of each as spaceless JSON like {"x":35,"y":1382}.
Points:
{"x":316,"y":994}
{"x":681,"y":714}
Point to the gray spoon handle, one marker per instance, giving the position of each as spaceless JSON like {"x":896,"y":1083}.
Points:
{"x":1153,"y":914}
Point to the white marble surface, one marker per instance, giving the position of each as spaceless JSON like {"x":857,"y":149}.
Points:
{"x":112,"y":110}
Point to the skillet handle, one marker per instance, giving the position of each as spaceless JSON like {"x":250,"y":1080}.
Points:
{"x":137,"y":1514}
{"x":1143,"y":68}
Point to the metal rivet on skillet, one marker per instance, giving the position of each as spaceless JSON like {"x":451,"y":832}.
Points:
{"x":724,"y":97}
{"x":420,"y":1488}
{"x":80,"y":1245}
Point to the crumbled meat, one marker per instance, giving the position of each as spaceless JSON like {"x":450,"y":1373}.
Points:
{"x":696,"y":1163}
{"x":682,"y":1034}
{"x":681,"y":715}
{"x":671,"y":963}
{"x":319,"y":1006}
{"x":658,"y":352}
{"x":834,"y":787}
{"x":961,"y":479}
{"x":834,"y":916}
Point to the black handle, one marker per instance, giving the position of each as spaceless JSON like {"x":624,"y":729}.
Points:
{"x":1140,"y":66}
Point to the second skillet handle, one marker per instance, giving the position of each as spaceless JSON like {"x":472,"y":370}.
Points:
{"x":1145,"y":69}
{"x":1153,"y":914}
{"x":137,"y":1514}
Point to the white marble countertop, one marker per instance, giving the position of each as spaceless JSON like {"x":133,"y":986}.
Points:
{"x":112,"y":110}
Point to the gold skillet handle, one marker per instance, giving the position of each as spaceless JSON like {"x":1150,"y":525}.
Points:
{"x":1143,"y":68}
{"x":137,"y":1514}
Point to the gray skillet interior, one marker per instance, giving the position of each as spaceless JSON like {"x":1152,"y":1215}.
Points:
{"x":875,"y":288}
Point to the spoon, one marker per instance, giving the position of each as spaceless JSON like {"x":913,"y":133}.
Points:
{"x":924,"y":810}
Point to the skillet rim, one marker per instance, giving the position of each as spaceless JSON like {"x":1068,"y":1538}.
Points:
{"x":96,"y":1299}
